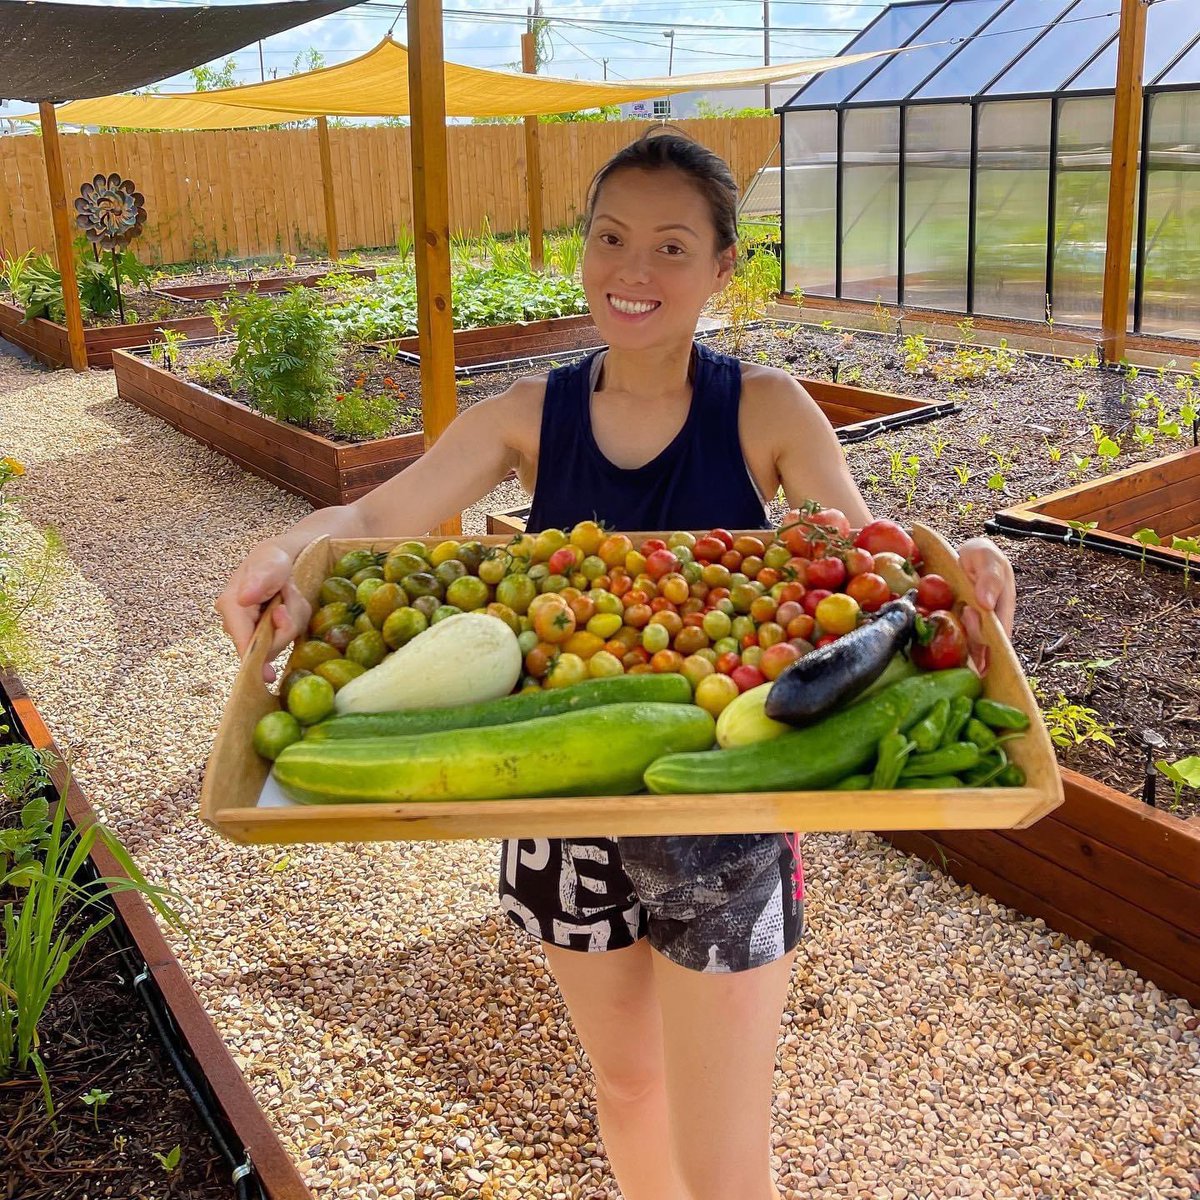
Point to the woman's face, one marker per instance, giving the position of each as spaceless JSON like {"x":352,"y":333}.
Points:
{"x":650,"y":261}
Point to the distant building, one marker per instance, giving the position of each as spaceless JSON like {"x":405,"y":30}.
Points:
{"x":685,"y":104}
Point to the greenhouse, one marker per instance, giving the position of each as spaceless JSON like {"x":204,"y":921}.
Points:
{"x":989,"y":146}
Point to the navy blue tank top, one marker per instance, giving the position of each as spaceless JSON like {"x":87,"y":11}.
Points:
{"x":699,"y":481}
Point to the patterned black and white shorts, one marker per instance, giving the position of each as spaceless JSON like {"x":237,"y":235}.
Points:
{"x":727,"y":902}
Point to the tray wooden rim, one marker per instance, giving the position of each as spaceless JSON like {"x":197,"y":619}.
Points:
{"x":595,"y":816}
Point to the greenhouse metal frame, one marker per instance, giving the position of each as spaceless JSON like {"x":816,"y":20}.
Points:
{"x":999,"y":184}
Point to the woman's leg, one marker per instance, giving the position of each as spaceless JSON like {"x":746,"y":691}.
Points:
{"x":721,"y":1032}
{"x":613,"y":1003}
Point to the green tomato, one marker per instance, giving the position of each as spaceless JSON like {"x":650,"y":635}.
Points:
{"x":656,"y":638}
{"x":274,"y":732}
{"x":517,"y":591}
{"x":335,"y":588}
{"x":468,"y":593}
{"x":366,"y":590}
{"x":402,"y":626}
{"x":310,"y":699}
{"x":716,"y":624}
{"x":443,"y":611}
{"x":368,"y":649}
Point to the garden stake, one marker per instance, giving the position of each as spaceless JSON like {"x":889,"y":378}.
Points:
{"x":117,"y":280}
{"x":1152,"y":740}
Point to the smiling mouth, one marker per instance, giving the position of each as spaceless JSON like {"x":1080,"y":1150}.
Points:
{"x":633,"y":308}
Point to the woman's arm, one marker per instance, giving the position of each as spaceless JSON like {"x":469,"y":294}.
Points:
{"x":480,"y":446}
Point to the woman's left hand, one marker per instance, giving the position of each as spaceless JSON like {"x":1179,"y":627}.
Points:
{"x":991,"y":577}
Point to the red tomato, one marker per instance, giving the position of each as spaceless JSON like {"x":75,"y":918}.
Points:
{"x":811,"y":600}
{"x":870,"y":590}
{"x":661,"y":562}
{"x":708,"y":549}
{"x":858,"y":561}
{"x":941,"y":642}
{"x":777,"y":658}
{"x":723,"y":536}
{"x":801,"y":627}
{"x":565,"y":559}
{"x":748,"y":640}
{"x":637,"y":615}
{"x":728,"y":662}
{"x":883,"y":534}
{"x":649,"y":546}
{"x":768,"y":577}
{"x":933,"y":592}
{"x":731,"y":559}
{"x":791,"y":590}
{"x":832,"y":518}
{"x":747,"y":677}
{"x":826,"y":639}
{"x":826,"y":573}
{"x":793,"y":532}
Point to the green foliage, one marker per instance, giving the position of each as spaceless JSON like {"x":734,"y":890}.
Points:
{"x":754,"y":284}
{"x":12,"y":270}
{"x":566,"y":253}
{"x":165,"y":353}
{"x":24,"y":773}
{"x":51,"y":922}
{"x":285,"y":354}
{"x":707,"y":110}
{"x":39,"y":289}
{"x":207,"y":372}
{"x":207,"y":78}
{"x":169,"y":1161}
{"x":1183,"y":772}
{"x":358,"y":415}
{"x":916,"y":352}
{"x":1073,"y":724}
{"x":36,"y":284}
{"x":94,"y":1099}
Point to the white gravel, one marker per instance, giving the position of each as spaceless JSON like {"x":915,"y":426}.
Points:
{"x":406,"y":1042}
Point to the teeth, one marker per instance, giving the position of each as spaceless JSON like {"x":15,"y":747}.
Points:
{"x":632,"y":307}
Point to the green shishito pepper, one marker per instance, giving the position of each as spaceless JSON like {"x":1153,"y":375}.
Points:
{"x":853,"y":783}
{"x":960,"y":714}
{"x":941,"y":783}
{"x":894,"y":748}
{"x":977,"y":732}
{"x":951,"y":760}
{"x":927,"y":733}
{"x":1000,"y":716}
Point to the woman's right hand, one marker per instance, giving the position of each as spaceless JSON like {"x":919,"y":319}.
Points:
{"x":264,"y":573}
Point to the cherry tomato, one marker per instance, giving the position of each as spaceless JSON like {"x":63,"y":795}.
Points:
{"x":747,"y":677}
{"x":716,"y":692}
{"x":731,"y":559}
{"x":833,"y":519}
{"x":858,"y":561}
{"x":787,"y":610}
{"x":763,"y":608}
{"x":941,"y":642}
{"x":695,"y":668}
{"x":769,"y":633}
{"x":538,"y":660}
{"x":650,"y":545}
{"x":933,"y":592}
{"x":777,"y":658}
{"x":747,"y":545}
{"x":826,"y":573}
{"x":801,"y":626}
{"x":838,"y":613}
{"x":708,"y":549}
{"x":728,"y":662}
{"x":723,"y":536}
{"x":870,"y":590}
{"x":675,"y":588}
{"x":826,"y":639}
{"x":604,"y":664}
{"x":554,"y":623}
{"x":666,"y":662}
{"x":791,"y":591}
{"x":670,"y":620}
{"x":661,"y":562}
{"x":587,"y":535}
{"x":886,"y":535}
{"x":613,"y":550}
{"x":813,"y":598}
{"x":638,"y":615}
{"x":690,"y":639}
{"x":768,"y":577}
{"x":566,"y":670}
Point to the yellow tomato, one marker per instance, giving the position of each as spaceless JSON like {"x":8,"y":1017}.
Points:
{"x":838,"y":613}
{"x":583,"y":643}
{"x":547,"y":542}
{"x":443,"y":551}
{"x":714,"y":693}
{"x":567,"y":669}
{"x":587,"y":535}
{"x":605,"y":624}
{"x":602,"y":664}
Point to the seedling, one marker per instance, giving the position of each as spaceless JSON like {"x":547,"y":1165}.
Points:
{"x":1083,"y":528}
{"x":1105,"y":446}
{"x":169,"y":1161}
{"x":983,"y":440}
{"x":1089,"y":668}
{"x":1147,"y":537}
{"x":1188,"y":546}
{"x":939,"y":444}
{"x":94,"y":1099}
{"x":1053,"y":452}
{"x":1073,"y":724}
{"x":964,"y":474}
{"x":1081,"y":401}
{"x":1183,"y":772}
{"x":996,"y":482}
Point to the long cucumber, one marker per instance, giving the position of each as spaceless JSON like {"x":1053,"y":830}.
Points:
{"x":598,"y":751}
{"x":819,"y":755}
{"x":620,"y":689}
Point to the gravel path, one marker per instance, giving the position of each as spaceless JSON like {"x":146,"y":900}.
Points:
{"x":406,"y":1042}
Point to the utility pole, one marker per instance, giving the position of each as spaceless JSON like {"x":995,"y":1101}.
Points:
{"x":605,"y":62}
{"x":533,"y":151}
{"x":766,"y":49}
{"x":262,"y":71}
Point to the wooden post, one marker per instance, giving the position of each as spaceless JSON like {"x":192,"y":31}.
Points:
{"x":533,"y":161}
{"x":331,"y":229}
{"x":52,"y":151}
{"x":431,"y":222}
{"x":1122,"y":186}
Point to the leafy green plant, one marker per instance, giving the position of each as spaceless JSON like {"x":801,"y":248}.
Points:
{"x":1072,"y":724}
{"x":12,"y":271}
{"x":165,"y":353}
{"x":1106,"y":448}
{"x":1146,"y":537}
{"x":286,"y":350}
{"x":755,"y":282}
{"x":357,"y":414}
{"x":49,"y":925}
{"x":1183,"y":772}
{"x":1053,"y":452}
{"x":567,"y":253}
{"x":939,"y":444}
{"x":1187,"y":546}
{"x":1083,"y":528}
{"x":208,"y":372}
{"x":964,"y":474}
{"x":916,"y":352}
{"x":404,"y":242}
{"x":169,"y":1161}
{"x":39,"y":289}
{"x":23,"y":774}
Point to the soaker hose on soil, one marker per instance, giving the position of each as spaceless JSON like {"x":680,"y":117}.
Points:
{"x":1078,"y":538}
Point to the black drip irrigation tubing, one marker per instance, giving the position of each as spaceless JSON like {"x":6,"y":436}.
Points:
{"x":1079,"y":538}
{"x":246,"y":1184}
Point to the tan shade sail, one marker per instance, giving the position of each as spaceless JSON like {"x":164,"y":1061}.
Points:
{"x":376,"y":85}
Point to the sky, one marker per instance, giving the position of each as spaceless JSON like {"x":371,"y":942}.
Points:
{"x":579,"y":48}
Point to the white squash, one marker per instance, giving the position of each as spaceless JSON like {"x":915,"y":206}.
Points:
{"x":464,"y":659}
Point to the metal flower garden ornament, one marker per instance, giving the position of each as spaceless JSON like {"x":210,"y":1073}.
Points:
{"x":112,"y":212}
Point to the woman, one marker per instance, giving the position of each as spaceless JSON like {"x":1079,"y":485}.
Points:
{"x":673,"y":954}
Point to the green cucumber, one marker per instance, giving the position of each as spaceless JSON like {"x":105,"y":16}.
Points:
{"x":620,"y":689}
{"x":819,"y":755}
{"x":594,"y":752}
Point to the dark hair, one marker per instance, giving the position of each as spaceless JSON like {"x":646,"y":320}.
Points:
{"x":657,"y":151}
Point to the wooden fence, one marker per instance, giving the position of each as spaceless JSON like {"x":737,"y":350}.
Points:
{"x":243,"y":193}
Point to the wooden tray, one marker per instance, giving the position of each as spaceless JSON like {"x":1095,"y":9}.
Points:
{"x":235,"y":774}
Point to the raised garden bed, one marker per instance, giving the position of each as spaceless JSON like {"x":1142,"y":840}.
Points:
{"x":1103,"y":867}
{"x":497,"y":345}
{"x":124,"y":1021}
{"x":198,"y":292}
{"x":1162,"y":495}
{"x":323,"y":471}
{"x":46,"y":340}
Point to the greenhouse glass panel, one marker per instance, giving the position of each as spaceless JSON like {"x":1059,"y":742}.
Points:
{"x":985,"y":57}
{"x":870,"y":202}
{"x":893,"y":29}
{"x":810,"y":201}
{"x":1053,"y":59}
{"x":937,"y":176}
{"x":1081,"y":208}
{"x":1169,"y":27}
{"x":1100,"y":74}
{"x":903,"y":73}
{"x":1012,"y":190}
{"x":1171,"y":293}
{"x":1186,"y":70}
